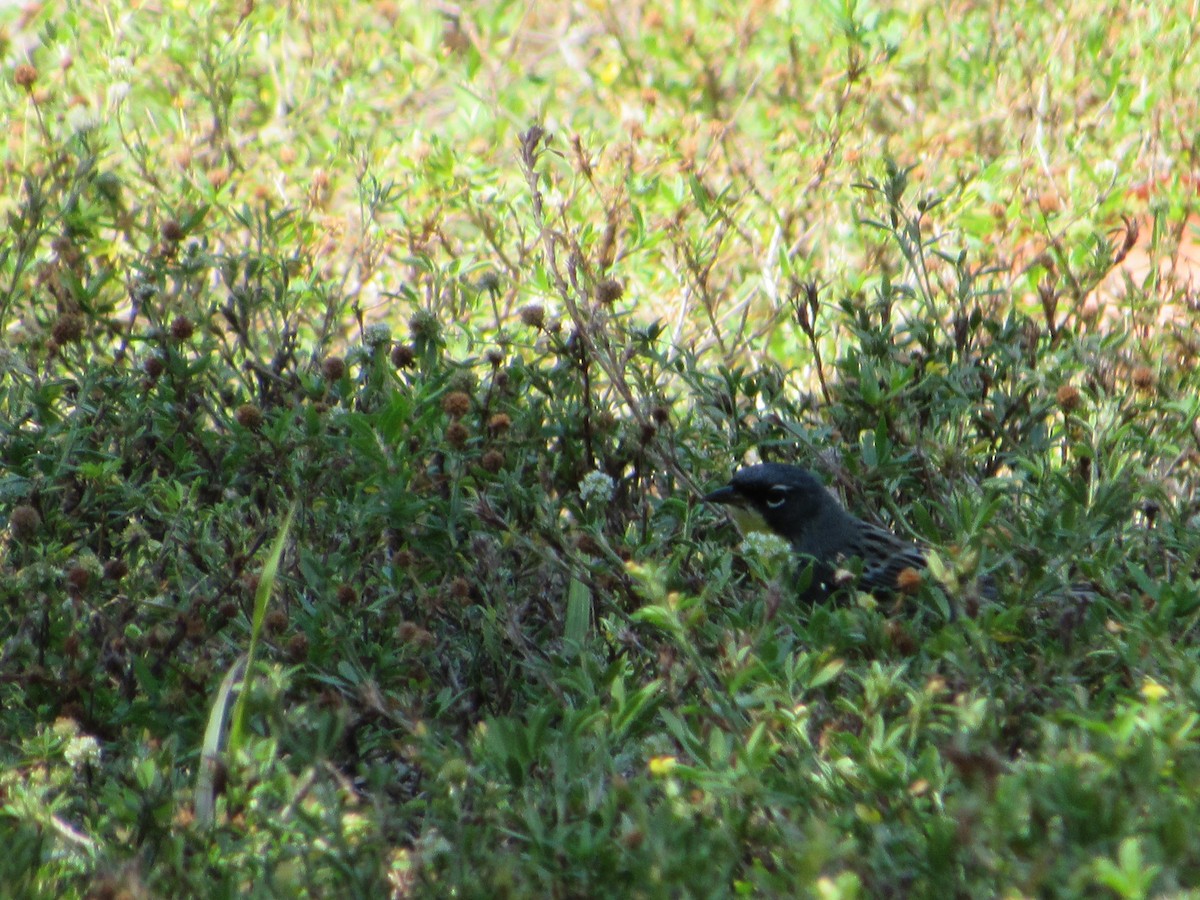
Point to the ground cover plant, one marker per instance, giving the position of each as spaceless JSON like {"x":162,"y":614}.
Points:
{"x":362,"y":369}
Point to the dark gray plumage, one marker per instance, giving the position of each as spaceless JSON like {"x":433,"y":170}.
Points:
{"x":793,"y":504}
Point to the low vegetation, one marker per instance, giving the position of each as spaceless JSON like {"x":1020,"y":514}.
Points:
{"x":363,"y":368}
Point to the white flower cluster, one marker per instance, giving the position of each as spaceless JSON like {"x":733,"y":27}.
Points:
{"x":377,"y":334}
{"x":596,"y":486}
{"x":81,"y":750}
{"x":768,"y":547}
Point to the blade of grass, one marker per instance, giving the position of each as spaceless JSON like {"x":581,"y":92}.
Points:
{"x":210,"y":754}
{"x":266,"y":584}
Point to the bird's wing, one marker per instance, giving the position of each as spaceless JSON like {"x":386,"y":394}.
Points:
{"x":883,"y":575}
{"x":884,"y":557}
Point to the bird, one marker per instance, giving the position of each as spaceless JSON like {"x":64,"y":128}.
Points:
{"x":792,"y":503}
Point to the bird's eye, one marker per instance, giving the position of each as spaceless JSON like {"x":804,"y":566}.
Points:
{"x":777,"y":496}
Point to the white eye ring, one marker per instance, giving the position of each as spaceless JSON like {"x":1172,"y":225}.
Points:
{"x":782,"y":491}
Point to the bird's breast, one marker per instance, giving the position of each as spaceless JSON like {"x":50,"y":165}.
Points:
{"x":749,"y":520}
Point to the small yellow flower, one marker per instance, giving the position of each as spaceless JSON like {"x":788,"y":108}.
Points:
{"x":662,"y":765}
{"x":1153,"y":691}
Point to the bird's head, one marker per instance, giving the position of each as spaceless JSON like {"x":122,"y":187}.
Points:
{"x":780,"y":499}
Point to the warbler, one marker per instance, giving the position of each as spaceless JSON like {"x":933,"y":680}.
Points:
{"x":792,"y":503}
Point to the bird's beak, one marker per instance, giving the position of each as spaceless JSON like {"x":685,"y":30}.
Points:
{"x":748,"y":519}
{"x":726,"y":495}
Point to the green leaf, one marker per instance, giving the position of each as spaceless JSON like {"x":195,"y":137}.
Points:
{"x":827,"y":673}
{"x":579,"y":612}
